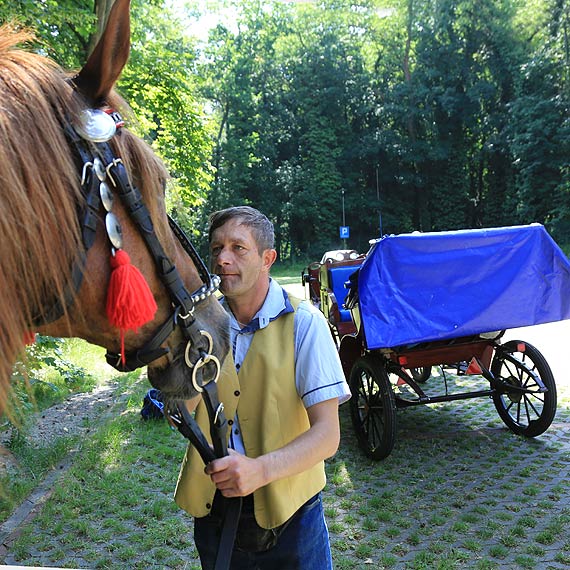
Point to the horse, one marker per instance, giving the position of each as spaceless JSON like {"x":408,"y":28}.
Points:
{"x":63,"y":168}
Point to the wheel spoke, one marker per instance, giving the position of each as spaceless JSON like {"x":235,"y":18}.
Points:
{"x":526,"y":411}
{"x":507,"y":366}
{"x":377,"y":432}
{"x":528,"y":402}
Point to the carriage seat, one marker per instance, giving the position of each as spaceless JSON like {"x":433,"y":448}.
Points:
{"x":338,"y":276}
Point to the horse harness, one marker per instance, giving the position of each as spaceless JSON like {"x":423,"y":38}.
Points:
{"x":103,"y":172}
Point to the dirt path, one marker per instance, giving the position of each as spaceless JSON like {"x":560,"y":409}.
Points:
{"x":76,"y":416}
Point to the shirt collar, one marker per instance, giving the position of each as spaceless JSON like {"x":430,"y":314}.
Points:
{"x":275,"y":305}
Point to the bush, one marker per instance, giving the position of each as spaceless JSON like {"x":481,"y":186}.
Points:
{"x":45,"y":376}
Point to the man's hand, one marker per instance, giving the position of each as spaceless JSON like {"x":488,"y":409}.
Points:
{"x":236,"y":475}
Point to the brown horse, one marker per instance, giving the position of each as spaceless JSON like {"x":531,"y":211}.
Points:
{"x":42,"y":200}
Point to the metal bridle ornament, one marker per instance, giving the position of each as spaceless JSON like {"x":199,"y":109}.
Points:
{"x":205,"y":358}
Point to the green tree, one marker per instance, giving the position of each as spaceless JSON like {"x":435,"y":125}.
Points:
{"x":63,"y":27}
{"x":159,"y":82}
{"x":539,"y":125}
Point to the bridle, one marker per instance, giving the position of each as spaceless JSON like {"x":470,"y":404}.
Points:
{"x":104,"y":176}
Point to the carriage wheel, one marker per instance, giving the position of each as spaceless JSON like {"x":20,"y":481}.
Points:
{"x":421,"y":374}
{"x":372,"y":407}
{"x":529,"y":413}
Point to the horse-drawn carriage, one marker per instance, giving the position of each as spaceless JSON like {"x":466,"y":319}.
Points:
{"x":416,"y":301}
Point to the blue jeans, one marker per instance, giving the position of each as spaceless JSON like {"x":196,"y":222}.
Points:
{"x":303,"y":545}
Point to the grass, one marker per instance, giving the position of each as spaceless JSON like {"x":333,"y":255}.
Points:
{"x":287,"y":273}
{"x":32,"y":461}
{"x":33,"y":465}
{"x":74,"y":367}
{"x":114,"y":505}
{"x":52,"y":370}
{"x":469,"y":495}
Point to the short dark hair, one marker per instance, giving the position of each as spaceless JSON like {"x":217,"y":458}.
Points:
{"x":259,"y":224}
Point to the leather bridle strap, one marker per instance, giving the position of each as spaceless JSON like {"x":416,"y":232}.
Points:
{"x":133,"y":202}
{"x":89,"y":152}
{"x":182,"y":300}
{"x":218,"y":431}
{"x":188,"y":427}
{"x":183,"y":317}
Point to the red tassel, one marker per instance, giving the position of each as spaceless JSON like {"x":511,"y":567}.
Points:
{"x":130,"y":302}
{"x":29,"y":337}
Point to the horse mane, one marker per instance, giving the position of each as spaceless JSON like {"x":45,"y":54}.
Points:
{"x":40,"y":193}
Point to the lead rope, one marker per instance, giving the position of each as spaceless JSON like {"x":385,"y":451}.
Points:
{"x":188,"y":427}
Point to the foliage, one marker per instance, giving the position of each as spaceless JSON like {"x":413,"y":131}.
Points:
{"x":430,"y":116}
{"x":46,"y":375}
{"x":159,"y":82}
{"x":63,"y":27}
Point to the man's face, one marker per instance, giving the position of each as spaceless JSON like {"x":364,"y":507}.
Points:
{"x":235,"y":258}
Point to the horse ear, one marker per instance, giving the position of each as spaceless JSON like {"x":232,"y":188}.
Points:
{"x":106,"y":62}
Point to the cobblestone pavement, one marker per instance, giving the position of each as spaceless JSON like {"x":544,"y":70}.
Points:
{"x":458,"y":491}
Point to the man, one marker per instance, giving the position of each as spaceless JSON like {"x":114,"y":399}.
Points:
{"x":281,"y":386}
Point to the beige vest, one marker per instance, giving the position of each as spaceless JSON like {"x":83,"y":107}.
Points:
{"x":271,"y":415}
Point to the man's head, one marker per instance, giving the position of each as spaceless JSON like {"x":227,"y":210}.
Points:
{"x":260,"y":226}
{"x":241,"y":250}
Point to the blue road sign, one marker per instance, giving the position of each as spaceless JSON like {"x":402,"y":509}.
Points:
{"x":344,"y":232}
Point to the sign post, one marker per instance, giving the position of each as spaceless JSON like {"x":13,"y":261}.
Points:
{"x":344,"y":232}
{"x":344,"y":229}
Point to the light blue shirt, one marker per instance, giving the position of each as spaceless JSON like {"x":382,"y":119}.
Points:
{"x":318,"y":371}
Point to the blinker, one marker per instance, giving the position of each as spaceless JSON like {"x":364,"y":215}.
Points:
{"x":95,"y":125}
{"x":99,"y":169}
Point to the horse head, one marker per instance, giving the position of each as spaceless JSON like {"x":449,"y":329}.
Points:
{"x":78,"y":187}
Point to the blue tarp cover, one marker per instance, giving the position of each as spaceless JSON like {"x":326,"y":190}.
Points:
{"x":434,"y":286}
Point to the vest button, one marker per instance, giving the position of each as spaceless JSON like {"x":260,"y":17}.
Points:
{"x":208,"y":506}
{"x":231,"y":422}
{"x":236,"y":393}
